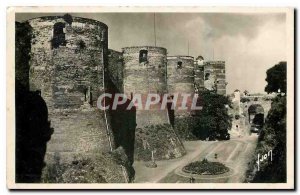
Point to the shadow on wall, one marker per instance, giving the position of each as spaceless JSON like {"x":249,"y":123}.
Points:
{"x":171,"y":113}
{"x":123,"y":124}
{"x":32,"y":134}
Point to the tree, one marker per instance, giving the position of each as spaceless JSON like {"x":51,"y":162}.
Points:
{"x":276,"y":78}
{"x":273,"y":135}
{"x":213,"y":120}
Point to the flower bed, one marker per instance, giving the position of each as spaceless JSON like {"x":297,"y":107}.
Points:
{"x":205,"y":167}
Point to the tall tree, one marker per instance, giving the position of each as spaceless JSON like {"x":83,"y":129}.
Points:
{"x":276,"y":78}
{"x":273,"y":136}
{"x":213,"y":121}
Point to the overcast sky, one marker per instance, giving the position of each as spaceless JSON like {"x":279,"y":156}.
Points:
{"x":248,"y":43}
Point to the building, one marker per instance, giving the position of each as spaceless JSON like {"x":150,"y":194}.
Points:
{"x":214,"y":76}
{"x":199,"y":73}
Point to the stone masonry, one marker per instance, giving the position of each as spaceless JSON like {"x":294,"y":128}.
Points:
{"x":67,"y":57}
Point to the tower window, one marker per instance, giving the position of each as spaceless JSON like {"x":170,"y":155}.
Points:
{"x":143,"y":56}
{"x":68,"y":18}
{"x":179,"y":65}
{"x":207,"y":75}
{"x":59,"y":37}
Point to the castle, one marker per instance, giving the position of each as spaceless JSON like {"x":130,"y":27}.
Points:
{"x":67,"y":60}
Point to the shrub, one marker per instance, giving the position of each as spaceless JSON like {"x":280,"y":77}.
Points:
{"x":205,"y":167}
{"x":213,"y":121}
{"x":157,"y":138}
{"x":80,"y":170}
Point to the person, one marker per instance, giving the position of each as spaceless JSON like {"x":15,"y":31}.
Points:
{"x":192,"y":179}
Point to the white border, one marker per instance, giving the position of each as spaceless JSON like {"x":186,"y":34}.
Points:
{"x":10,"y":98}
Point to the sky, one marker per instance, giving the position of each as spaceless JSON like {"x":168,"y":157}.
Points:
{"x":248,"y":43}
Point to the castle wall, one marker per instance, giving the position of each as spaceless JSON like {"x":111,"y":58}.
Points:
{"x":123,"y":121}
{"x":115,"y":69}
{"x":76,"y":132}
{"x":199,"y":75}
{"x":214,"y":76}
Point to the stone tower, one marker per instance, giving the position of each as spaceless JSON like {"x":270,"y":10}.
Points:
{"x":214,"y":76}
{"x":67,"y":60}
{"x":145,"y":72}
{"x":199,"y":73}
{"x":180,"y":74}
{"x":145,"y":69}
{"x":181,"y":81}
{"x":66,"y":66}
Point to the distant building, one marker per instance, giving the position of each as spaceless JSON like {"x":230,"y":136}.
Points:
{"x":210,"y":75}
{"x":199,"y":73}
{"x":214,"y":76}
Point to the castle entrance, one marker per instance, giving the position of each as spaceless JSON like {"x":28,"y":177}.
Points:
{"x":256,"y":117}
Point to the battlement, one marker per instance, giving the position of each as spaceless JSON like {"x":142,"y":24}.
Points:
{"x":180,"y":57}
{"x":135,"y":49}
{"x":214,"y":62}
{"x":46,"y":20}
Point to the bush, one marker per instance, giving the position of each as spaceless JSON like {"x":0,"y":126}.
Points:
{"x":213,"y":121}
{"x":272,"y":137}
{"x":159,"y":138}
{"x":80,"y":170}
{"x":184,"y":128}
{"x":97,"y":168}
{"x":205,"y":167}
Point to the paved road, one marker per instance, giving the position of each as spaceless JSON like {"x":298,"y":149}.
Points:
{"x":234,"y":153}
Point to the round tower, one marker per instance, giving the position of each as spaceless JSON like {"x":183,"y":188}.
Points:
{"x":181,"y":81}
{"x":67,"y":59}
{"x":180,"y":74}
{"x":145,"y":72}
{"x":145,"y":69}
